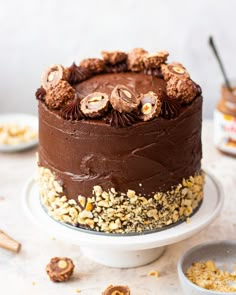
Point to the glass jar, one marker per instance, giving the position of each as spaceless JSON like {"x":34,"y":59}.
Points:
{"x":225,"y":122}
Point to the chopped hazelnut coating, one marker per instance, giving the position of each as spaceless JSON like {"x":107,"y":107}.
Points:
{"x":95,"y":65}
{"x":116,"y":290}
{"x":123,"y":99}
{"x":150,"y":106}
{"x":175,"y":70}
{"x":154,"y":60}
{"x":135,"y":59}
{"x":114,"y":212}
{"x":114,"y":57}
{"x":60,"y":269}
{"x":183,"y":89}
{"x":59,"y":95}
{"x":53,"y":75}
{"x":95,"y":104}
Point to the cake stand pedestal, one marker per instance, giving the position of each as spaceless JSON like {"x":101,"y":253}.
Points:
{"x":124,"y":250}
{"x":122,"y":259}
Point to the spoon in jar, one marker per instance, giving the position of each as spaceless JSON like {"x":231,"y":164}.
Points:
{"x":215,"y":51}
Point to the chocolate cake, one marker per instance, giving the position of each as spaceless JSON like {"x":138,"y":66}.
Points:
{"x":120,"y":142}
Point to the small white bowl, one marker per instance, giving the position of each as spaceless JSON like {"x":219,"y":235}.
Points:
{"x":223,"y":253}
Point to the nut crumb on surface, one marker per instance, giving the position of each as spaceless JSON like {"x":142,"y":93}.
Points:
{"x":208,"y":276}
{"x":77,"y":290}
{"x":116,"y":290}
{"x":188,"y":220}
{"x":154,"y":273}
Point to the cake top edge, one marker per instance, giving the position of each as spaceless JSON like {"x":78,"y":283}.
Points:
{"x":120,"y":88}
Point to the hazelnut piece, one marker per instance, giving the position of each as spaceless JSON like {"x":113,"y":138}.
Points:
{"x":95,"y":104}
{"x":53,"y":75}
{"x":60,"y":269}
{"x":123,"y":99}
{"x":150,"y":106}
{"x":116,"y":290}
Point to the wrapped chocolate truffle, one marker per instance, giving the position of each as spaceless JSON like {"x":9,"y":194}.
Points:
{"x":114,"y":57}
{"x":154,"y":60}
{"x":59,"y":95}
{"x":94,"y":65}
{"x":123,"y":99}
{"x":175,"y":70}
{"x":94,"y":105}
{"x":150,"y":106}
{"x":60,"y":269}
{"x":116,"y":290}
{"x":135,"y":59}
{"x":53,"y":75}
{"x":183,"y":89}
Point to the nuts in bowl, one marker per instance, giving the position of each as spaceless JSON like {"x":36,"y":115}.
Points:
{"x":14,"y":134}
{"x":209,"y":268}
{"x":18,"y":132}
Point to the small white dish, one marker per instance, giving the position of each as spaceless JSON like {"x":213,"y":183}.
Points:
{"x":223,"y":253}
{"x":21,"y":120}
{"x":124,"y":251}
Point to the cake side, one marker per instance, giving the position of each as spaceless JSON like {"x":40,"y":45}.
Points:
{"x":146,"y":157}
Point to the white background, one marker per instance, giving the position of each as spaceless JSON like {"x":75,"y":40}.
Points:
{"x":38,"y":33}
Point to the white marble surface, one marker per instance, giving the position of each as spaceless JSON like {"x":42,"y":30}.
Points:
{"x":24,"y":273}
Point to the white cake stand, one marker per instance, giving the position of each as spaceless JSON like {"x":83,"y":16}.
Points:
{"x":125,"y":251}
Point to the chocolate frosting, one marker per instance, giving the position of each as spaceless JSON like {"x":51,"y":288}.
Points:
{"x":146,"y":157}
{"x":138,"y":82}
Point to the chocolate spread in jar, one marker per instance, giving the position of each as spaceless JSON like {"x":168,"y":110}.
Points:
{"x":225,"y":122}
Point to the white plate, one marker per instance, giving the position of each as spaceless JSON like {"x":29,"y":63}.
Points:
{"x":21,"y":119}
{"x":125,"y":251}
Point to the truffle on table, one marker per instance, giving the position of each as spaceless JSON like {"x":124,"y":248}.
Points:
{"x":60,"y":269}
{"x":116,"y":290}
